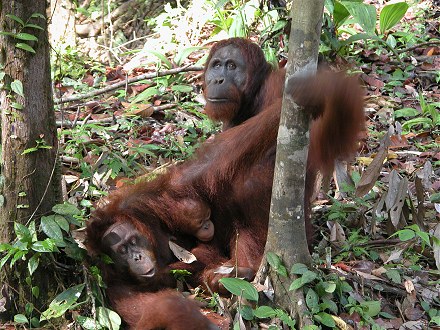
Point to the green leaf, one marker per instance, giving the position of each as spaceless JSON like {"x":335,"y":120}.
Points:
{"x":5,"y":246}
{"x":22,"y":232}
{"x":20,"y":318}
{"x":34,"y":26}
{"x":8,"y":34}
{"x":184,"y":53}
{"x":264,"y":312}
{"x":48,"y":245}
{"x":108,"y":318}
{"x":391,"y":15}
{"x":435,"y":198}
{"x":417,"y":121}
{"x":299,"y":269}
{"x":246,"y":312}
{"x":373,"y":307}
{"x":425,"y":237}
{"x":62,"y":302}
{"x":15,"y":18}
{"x":240,"y":288}
{"x":38,"y":15}
{"x":328,"y":304}
{"x":325,"y":319}
{"x":312,"y":299}
{"x":29,"y":150}
{"x":286,"y":318}
{"x":165,"y":61}
{"x":145,"y":95}
{"x":329,"y":286}
{"x":33,"y":263}
{"x":406,"y":234}
{"x":25,"y":47}
{"x":66,"y":209}
{"x":340,"y":14}
{"x":62,"y":222}
{"x":308,"y":276}
{"x":363,"y":14}
{"x":17,"y":256}
{"x":276,"y":263}
{"x":88,"y":323}
{"x":311,"y":327}
{"x":406,"y":112}
{"x":36,"y":291}
{"x":26,"y":36}
{"x":394,"y":275}
{"x":296,"y":284}
{"x":6,"y":258}
{"x":51,"y":228}
{"x":182,"y":88}
{"x":17,"y":87}
{"x":29,"y":308}
{"x":16,"y":105}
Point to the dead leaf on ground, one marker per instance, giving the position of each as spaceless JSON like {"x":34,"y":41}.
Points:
{"x":370,"y":175}
{"x":395,"y":198}
{"x":181,"y":253}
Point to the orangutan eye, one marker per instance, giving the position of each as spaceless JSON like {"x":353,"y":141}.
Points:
{"x":216,"y":64}
{"x":122,"y":249}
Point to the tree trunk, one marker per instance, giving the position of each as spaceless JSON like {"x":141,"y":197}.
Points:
{"x":30,"y":185}
{"x":286,"y":236}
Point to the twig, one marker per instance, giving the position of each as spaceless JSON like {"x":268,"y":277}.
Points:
{"x":428,"y":43}
{"x":69,"y":124}
{"x":128,"y":81}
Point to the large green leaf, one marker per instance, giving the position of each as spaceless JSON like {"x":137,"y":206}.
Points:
{"x":108,"y":318}
{"x":263,"y":312}
{"x":240,"y":288}
{"x":51,"y":228}
{"x":363,"y":14}
{"x":66,"y":209}
{"x":62,"y":302}
{"x":391,"y":15}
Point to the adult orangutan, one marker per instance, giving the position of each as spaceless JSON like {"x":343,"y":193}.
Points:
{"x":240,"y":83}
{"x":231,"y":175}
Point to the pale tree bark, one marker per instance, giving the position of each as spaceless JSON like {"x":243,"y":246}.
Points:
{"x":29,"y":184}
{"x":286,"y":236}
{"x":62,"y":24}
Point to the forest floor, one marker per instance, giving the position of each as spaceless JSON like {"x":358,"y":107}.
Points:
{"x":379,"y":226}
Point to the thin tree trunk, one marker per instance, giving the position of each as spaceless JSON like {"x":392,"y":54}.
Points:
{"x":286,"y":236}
{"x":30,"y":185}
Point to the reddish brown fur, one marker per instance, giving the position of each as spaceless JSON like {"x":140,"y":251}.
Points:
{"x":144,"y":304}
{"x":161,"y":310}
{"x":233,"y":173}
{"x":333,"y":100}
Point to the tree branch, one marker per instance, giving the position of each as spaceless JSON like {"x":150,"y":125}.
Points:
{"x":128,"y":82}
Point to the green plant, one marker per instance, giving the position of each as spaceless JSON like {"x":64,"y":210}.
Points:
{"x":70,"y":65}
{"x":433,"y":313}
{"x":39,"y":144}
{"x":33,"y":247}
{"x":246,"y":290}
{"x":27,"y":39}
{"x":340,"y":16}
{"x":414,"y":232}
{"x":52,"y":241}
{"x":327,"y":295}
{"x":428,"y":119}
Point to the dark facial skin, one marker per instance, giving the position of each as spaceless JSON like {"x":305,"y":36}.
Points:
{"x":206,"y":230}
{"x":130,"y":250}
{"x":226,"y":69}
{"x":198,"y":213}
